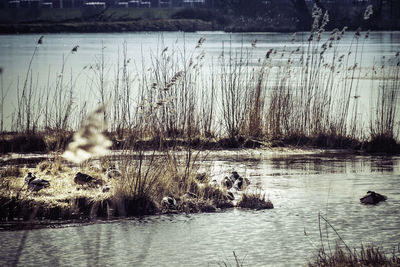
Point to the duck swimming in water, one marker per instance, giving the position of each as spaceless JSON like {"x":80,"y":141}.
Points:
{"x":372,"y":198}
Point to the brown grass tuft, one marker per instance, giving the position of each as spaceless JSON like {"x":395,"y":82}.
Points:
{"x":10,"y":171}
{"x":254,"y":201}
{"x":366,"y":256}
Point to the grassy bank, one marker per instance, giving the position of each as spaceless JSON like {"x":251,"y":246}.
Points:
{"x":49,"y":142}
{"x":145,"y":181}
{"x":365,"y":256}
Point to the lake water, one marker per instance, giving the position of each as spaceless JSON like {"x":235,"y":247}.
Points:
{"x":300,"y":184}
{"x":54,"y":57}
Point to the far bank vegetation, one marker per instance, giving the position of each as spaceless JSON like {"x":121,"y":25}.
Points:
{"x":308,"y":94}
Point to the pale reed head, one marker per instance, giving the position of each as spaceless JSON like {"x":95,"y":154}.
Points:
{"x":89,"y":141}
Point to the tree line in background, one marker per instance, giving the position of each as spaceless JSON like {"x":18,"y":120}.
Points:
{"x":339,"y":10}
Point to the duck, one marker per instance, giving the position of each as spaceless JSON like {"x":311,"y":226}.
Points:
{"x":230,"y":195}
{"x":38,"y":184}
{"x":241,"y":183}
{"x":227,"y":183}
{"x":238,"y":184}
{"x":112,"y":172}
{"x":201,"y":177}
{"x":34,"y":183}
{"x":372,"y":198}
{"x":82,"y":178}
{"x":29,"y":177}
{"x":168,"y":202}
{"x":234,"y":176}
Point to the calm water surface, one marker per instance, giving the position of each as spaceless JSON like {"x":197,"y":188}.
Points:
{"x":300,"y":185}
{"x":79,"y":68}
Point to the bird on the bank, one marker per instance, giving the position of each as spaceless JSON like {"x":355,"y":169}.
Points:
{"x":34,"y":183}
{"x":227,"y":183}
{"x":234,"y":176}
{"x":83,"y":178}
{"x":238,"y":184}
{"x":372,"y":198}
{"x":241,"y":183}
{"x":253,"y":43}
{"x":38,"y":184}
{"x":75,"y":49}
{"x":168,"y":202}
{"x":201,"y":177}
{"x":112,"y":172}
{"x":29,"y":177}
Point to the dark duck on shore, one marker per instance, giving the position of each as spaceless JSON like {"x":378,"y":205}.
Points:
{"x":227,"y":183}
{"x":34,"y":183}
{"x":29,"y":177}
{"x":372,"y":198}
{"x":234,"y":176}
{"x":83,"y":178}
{"x":238,"y":182}
{"x":168,"y":202}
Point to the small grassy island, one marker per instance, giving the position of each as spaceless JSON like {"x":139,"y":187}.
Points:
{"x":148,"y":184}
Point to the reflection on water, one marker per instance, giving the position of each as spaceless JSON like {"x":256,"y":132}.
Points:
{"x":299,"y":185}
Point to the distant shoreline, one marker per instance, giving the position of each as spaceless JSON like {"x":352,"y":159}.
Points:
{"x":112,"y":19}
{"x":115,"y":26}
{"x":186,"y":25}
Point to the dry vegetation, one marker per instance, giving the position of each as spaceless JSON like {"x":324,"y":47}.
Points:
{"x":343,"y":255}
{"x":255,"y":201}
{"x":365,"y":256}
{"x":146,"y":178}
{"x":307,"y":95}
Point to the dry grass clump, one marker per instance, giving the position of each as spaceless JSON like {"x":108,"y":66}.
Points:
{"x":254,"y":201}
{"x":345,"y":256}
{"x":10,"y":171}
{"x":155,"y":177}
{"x":51,"y":167}
{"x":369,"y":256}
{"x":383,"y":143}
{"x":195,"y":205}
